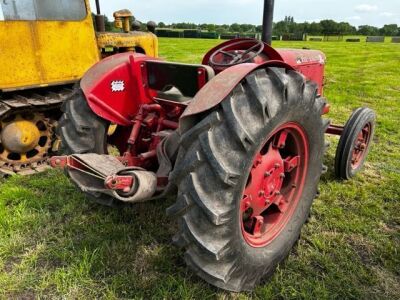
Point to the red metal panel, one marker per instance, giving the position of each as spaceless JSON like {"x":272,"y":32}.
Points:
{"x":311,"y":63}
{"x":114,"y":87}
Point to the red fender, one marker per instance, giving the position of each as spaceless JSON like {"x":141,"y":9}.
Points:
{"x":217,"y":89}
{"x":114,"y":87}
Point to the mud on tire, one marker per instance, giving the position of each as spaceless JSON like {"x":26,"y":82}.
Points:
{"x":212,"y":170}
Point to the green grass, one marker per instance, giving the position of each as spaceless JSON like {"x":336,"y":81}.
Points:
{"x":56,"y":244}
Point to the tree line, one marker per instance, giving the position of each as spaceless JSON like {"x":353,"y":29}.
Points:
{"x":286,"y":26}
{"x":289,"y":26}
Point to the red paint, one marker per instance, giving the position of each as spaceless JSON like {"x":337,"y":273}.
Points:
{"x":311,"y":63}
{"x":275,"y":184}
{"x":117,"y":106}
{"x":128,"y":71}
{"x":326,"y":109}
{"x":335,"y":130}
{"x":361,"y":146}
{"x":121,"y":89}
{"x":119,"y":183}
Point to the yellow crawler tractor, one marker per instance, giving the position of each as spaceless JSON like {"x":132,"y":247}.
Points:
{"x":45,"y":47}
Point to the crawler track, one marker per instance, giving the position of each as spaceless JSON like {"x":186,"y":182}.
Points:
{"x":45,"y":103}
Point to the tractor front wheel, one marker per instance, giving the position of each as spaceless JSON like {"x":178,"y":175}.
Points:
{"x":247,"y":174}
{"x":354,"y":143}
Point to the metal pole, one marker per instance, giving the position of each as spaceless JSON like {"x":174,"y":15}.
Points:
{"x":98,"y":7}
{"x":268,"y":19}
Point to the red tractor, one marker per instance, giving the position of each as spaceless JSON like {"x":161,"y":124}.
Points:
{"x":239,"y":139}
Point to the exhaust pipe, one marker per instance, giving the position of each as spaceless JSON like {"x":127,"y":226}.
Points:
{"x":268,"y":19}
{"x":99,"y":19}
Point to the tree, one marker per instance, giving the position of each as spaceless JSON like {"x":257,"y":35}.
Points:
{"x":315,"y":28}
{"x":281,"y":28}
{"x":235,"y":27}
{"x":389,"y":30}
{"x":289,"y":26}
{"x":329,"y":27}
{"x":368,"y":30}
{"x":109,"y":25}
{"x":346,"y":28}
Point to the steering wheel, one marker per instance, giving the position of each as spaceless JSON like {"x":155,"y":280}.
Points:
{"x":236,"y":56}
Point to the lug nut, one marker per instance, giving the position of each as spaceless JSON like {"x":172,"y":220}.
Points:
{"x":277,"y":193}
{"x":294,"y":186}
{"x":282,"y":175}
{"x":277,"y":166}
{"x":267,"y":174}
{"x":261,"y":193}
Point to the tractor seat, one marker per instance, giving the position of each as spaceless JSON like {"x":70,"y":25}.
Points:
{"x":175,"y":81}
{"x":173,"y":94}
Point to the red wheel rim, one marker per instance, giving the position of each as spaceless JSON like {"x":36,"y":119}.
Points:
{"x":275,"y":184}
{"x":361,"y":146}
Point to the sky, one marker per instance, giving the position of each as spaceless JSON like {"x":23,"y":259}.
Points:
{"x":356,"y":12}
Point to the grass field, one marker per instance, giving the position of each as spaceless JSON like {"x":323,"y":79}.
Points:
{"x":56,"y":244}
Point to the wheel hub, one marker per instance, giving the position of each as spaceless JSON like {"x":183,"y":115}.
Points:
{"x":360,"y":147}
{"x":274,"y":186}
{"x":20,"y":136}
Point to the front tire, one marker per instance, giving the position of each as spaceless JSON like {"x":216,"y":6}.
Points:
{"x":212,"y":173}
{"x":355,"y":143}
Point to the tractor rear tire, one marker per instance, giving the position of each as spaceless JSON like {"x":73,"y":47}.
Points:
{"x":82,"y":131}
{"x":212,"y":171}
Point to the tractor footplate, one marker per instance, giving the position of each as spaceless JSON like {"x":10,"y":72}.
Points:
{"x":105,"y":174}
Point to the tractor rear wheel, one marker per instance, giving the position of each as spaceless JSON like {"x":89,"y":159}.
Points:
{"x":82,"y":131}
{"x":247,"y":174}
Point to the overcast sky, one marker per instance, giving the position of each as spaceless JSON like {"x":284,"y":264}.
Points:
{"x":357,"y":12}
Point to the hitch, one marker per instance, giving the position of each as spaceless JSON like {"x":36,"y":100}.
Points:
{"x":119,"y":183}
